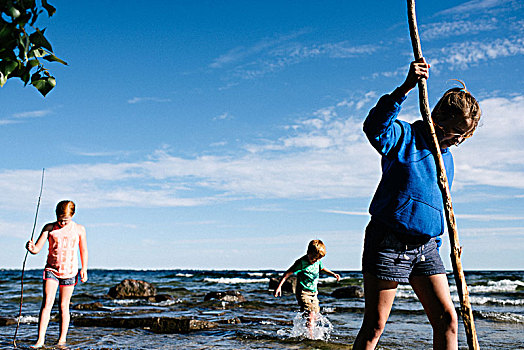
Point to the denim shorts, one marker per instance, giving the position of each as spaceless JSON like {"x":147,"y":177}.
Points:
{"x":389,"y":258}
{"x":72,"y":281}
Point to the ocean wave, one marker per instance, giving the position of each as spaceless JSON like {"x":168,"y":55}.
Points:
{"x":502,"y":286}
{"x":235,"y":280}
{"x":501,"y":316}
{"x":28,"y":319}
{"x":489,"y":300}
{"x":168,"y":302}
{"x":126,"y":301}
{"x":184,"y":275}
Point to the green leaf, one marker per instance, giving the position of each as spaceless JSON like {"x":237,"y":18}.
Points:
{"x":3,"y":79}
{"x":13,"y":12}
{"x":38,"y":39}
{"x":44,"y":85}
{"x":37,"y":53}
{"x":49,"y":8}
{"x":25,"y":75}
{"x":7,"y":67}
{"x":53,"y":58}
{"x":32,"y":63}
{"x":5,"y":31}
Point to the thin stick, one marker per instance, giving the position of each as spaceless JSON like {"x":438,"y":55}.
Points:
{"x":25,"y":258}
{"x":456,"y":250}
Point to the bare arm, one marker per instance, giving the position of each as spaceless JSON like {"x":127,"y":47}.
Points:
{"x":36,"y":248}
{"x":329,"y":272}
{"x":83,"y":254}
{"x":287,"y":274}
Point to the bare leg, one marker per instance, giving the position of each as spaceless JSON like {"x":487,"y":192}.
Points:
{"x":311,"y":318}
{"x":379,"y":295}
{"x":433,"y":293}
{"x":49,"y":293}
{"x":65,"y":299}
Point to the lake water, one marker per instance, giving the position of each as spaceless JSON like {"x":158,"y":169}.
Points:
{"x":497,"y":299}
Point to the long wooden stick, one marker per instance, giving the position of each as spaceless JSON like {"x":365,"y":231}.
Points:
{"x":25,"y":258}
{"x":456,"y":250}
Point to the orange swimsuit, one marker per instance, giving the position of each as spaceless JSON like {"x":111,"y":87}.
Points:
{"x":62,"y":259}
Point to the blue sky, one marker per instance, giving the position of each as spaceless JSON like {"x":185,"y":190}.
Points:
{"x":204,"y":134}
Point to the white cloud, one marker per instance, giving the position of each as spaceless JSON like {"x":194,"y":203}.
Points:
{"x":441,"y":30}
{"x":22,"y":116}
{"x":148,"y":99}
{"x":323,"y":156}
{"x":270,"y":55}
{"x":474,"y":6}
{"x":241,"y":53}
{"x":223,"y":116}
{"x":32,"y":114}
{"x":459,"y":56}
{"x":494,"y":155}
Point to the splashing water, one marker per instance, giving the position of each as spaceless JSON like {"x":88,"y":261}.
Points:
{"x":321,"y":329}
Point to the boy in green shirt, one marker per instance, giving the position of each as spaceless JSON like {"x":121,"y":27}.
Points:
{"x":308,"y":269}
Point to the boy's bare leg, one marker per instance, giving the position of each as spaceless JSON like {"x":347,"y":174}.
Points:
{"x":433,"y":293}
{"x":49,"y":293}
{"x":311,"y":318}
{"x":65,"y":299}
{"x":379,"y":297}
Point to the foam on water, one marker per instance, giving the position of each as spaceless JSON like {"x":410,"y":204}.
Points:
{"x":168,"y":302}
{"x":503,"y":316}
{"x":236,"y":280}
{"x":489,"y":300}
{"x":321,"y":330}
{"x":28,"y":319}
{"x":184,"y":275}
{"x":502,"y":286}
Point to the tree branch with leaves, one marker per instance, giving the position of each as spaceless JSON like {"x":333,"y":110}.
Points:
{"x":23,"y":46}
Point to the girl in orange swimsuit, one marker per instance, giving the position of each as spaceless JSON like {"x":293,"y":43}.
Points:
{"x":65,"y":237}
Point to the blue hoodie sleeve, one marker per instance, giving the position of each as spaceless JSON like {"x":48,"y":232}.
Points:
{"x":380,"y":127}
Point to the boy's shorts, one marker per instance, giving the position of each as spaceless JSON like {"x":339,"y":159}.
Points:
{"x":72,"y":281}
{"x":307,"y":301}
{"x":389,"y":258}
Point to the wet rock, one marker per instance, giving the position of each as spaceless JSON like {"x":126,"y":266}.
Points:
{"x":235,"y":320}
{"x":229,"y":296}
{"x":160,"y":298}
{"x":289,"y":286}
{"x":155,"y":324}
{"x":97,"y":306}
{"x":348,"y":292}
{"x":129,"y":289}
{"x":4,"y":321}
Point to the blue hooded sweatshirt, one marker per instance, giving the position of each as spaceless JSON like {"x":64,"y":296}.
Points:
{"x":407,"y":198}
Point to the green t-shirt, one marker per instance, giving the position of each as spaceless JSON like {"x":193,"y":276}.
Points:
{"x":307,"y":273}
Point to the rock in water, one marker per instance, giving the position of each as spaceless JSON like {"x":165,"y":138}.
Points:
{"x":155,"y":324}
{"x":160,"y":298}
{"x":229,"y":296}
{"x":97,"y":306}
{"x":4,"y":321}
{"x":132,"y":289}
{"x":290,"y":285}
{"x":348,"y":292}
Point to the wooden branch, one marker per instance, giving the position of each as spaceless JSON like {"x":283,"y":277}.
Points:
{"x":456,"y":250}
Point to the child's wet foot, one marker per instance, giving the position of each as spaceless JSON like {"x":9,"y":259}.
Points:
{"x":37,"y":346}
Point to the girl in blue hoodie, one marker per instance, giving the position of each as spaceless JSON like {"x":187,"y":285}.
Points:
{"x":402,"y":238}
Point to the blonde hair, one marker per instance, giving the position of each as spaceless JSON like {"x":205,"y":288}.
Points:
{"x":65,"y":208}
{"x":457,"y":103}
{"x":316,"y":248}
